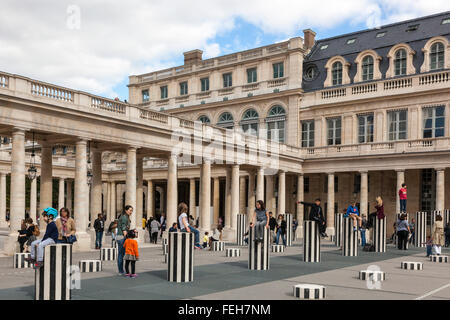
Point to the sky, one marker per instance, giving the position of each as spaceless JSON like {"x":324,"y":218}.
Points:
{"x":94,"y":45}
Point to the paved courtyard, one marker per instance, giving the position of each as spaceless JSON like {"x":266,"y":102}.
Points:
{"x":217,"y":277}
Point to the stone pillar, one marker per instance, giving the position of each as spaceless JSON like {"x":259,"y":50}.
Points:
{"x":33,"y":199}
{"x":400,"y":181}
{"x":113,"y":193}
{"x":130,"y":193}
{"x":139,"y":192}
{"x":300,"y":209}
{"x":270,"y":197}
{"x":205,"y":196}
{"x":228,"y":199}
{"x":172,"y":191}
{"x":440,"y":189}
{"x":216,"y":201}
{"x":150,"y":199}
{"x":107,"y":201}
{"x":192,"y":203}
{"x":96,"y":188}
{"x":81,"y":209}
{"x":3,"y":222}
{"x":281,"y":192}
{"x":330,"y":205}
{"x":260,"y":184}
{"x":251,"y":196}
{"x":242,"y":208}
{"x":46,"y":185}
{"x":69,"y":195}
{"x":61,"y":193}
{"x":364,"y":193}
{"x":234,"y":195}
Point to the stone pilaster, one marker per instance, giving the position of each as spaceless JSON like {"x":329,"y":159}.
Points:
{"x":330,"y":205}
{"x":282,"y":192}
{"x":172,"y":191}
{"x":130,"y":193}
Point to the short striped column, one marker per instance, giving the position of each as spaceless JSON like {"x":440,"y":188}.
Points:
{"x":180,"y":265}
{"x":258,"y":251}
{"x":440,"y":259}
{"x":349,"y":239}
{"x":277,"y":248}
{"x":90,"y":265}
{"x":289,"y":230}
{"x":241,"y":229}
{"x":379,"y":234}
{"x":108,"y":254}
{"x":372,"y":275}
{"x":114,"y":243}
{"x":309,"y":291}
{"x":165,"y":248}
{"x":338,"y":219}
{"x":420,"y":229}
{"x":311,"y":241}
{"x":19,"y":261}
{"x":53,"y":279}
{"x":233,"y":252}
{"x":408,"y":265}
{"x":218,"y":246}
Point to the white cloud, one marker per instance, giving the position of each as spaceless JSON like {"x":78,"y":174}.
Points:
{"x":119,"y":38}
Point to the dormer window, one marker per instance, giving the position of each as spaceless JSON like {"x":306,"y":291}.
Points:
{"x":445,"y":21}
{"x":400,"y":62}
{"x":336,"y":73}
{"x":437,"y":56}
{"x":381,"y":34}
{"x":413,"y":27}
{"x":350,"y":41}
{"x":323,"y":47}
{"x":367,"y":68}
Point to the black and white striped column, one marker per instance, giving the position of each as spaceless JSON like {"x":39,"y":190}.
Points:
{"x":19,"y":261}
{"x":218,"y":246}
{"x":53,"y":279}
{"x":233,"y":252}
{"x":309,"y":291}
{"x":165,"y":248}
{"x":90,"y":265}
{"x":311,"y":241}
{"x":338,"y":218}
{"x":289,"y":229}
{"x":241,"y":229}
{"x":180,"y":266}
{"x":408,"y":265}
{"x":108,"y":254}
{"x":258,"y":251}
{"x":349,"y":239}
{"x":441,"y":259}
{"x":277,"y":248}
{"x":420,"y":229}
{"x":379,"y":234}
{"x":114,"y":243}
{"x":372,"y":275}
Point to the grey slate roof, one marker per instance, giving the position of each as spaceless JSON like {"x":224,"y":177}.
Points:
{"x":429,"y":26}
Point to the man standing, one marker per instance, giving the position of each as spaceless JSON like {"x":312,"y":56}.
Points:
{"x":99,"y":227}
{"x":316,"y":214}
{"x":272,"y":226}
{"x":403,"y":197}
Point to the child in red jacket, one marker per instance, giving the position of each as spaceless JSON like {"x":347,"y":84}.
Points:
{"x":131,"y":253}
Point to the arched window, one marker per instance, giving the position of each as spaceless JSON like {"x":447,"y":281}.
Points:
{"x":336,"y":72}
{"x":226,"y":121}
{"x":276,"y":123}
{"x":367,"y":68}
{"x":249,"y":122}
{"x":400,"y":62}
{"x":437,"y":56}
{"x":204,"y":119}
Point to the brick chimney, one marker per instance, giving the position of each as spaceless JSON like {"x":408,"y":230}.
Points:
{"x":309,"y":38}
{"x":192,"y":57}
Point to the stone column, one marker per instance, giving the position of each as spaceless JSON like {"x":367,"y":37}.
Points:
{"x":400,"y":181}
{"x":107,"y":201}
{"x":33,"y":199}
{"x":234,"y":195}
{"x":130,"y":193}
{"x":440,"y":188}
{"x":216,"y":201}
{"x":300,"y":209}
{"x":330,"y":205}
{"x":282,"y":192}
{"x":81,"y":203}
{"x":228,"y":198}
{"x":113,"y":204}
{"x":172,"y":191}
{"x":192,"y":203}
{"x":61,"y":192}
{"x":69,"y":195}
{"x":364,"y":193}
{"x":251,"y":196}
{"x":96,"y":187}
{"x":260,"y":184}
{"x":205,"y":196}
{"x":139,"y":192}
{"x":150,"y":199}
{"x":242,"y":209}
{"x":270,"y":196}
{"x":3,"y":222}
{"x":46,"y":184}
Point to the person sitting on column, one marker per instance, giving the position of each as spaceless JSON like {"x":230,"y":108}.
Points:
{"x":184,"y":224}
{"x":123,"y":226}
{"x":378,"y":214}
{"x":353,"y":213}
{"x":215,"y":236}
{"x":131,"y":253}
{"x":281,"y":229}
{"x":438,"y":235}
{"x":403,"y":197}
{"x":316,"y":214}
{"x":260,"y":220}
{"x":272,"y":225}
{"x":50,"y":237}
{"x":66,"y":227}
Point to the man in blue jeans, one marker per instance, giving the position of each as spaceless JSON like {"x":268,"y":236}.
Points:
{"x":99,"y":227}
{"x":123,"y":227}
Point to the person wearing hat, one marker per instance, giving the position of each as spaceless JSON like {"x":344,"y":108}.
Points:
{"x":50,"y":237}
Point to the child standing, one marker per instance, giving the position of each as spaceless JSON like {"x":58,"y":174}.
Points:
{"x":131,"y":253}
{"x":429,"y":245}
{"x":205,"y":239}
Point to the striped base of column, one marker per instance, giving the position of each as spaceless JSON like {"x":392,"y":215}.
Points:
{"x":337,"y":238}
{"x":218,"y":246}
{"x":19,"y":261}
{"x":241,"y":229}
{"x":420,"y":230}
{"x":372,"y":275}
{"x":349,"y":239}
{"x":277,"y":248}
{"x":180,"y":263}
{"x":311,"y":242}
{"x":114,"y":244}
{"x":90,"y":265}
{"x":441,"y":259}
{"x":108,"y":254}
{"x":288,"y":217}
{"x":309,"y":291}
{"x":408,"y":265}
{"x":165,"y":248}
{"x":379,"y":234}
{"x":233,"y":252}
{"x":258,"y":251}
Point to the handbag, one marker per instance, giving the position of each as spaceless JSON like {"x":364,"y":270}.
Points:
{"x":71,"y":239}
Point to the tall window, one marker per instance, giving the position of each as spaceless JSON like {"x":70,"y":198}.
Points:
{"x":183,"y":88}
{"x":276,"y":123}
{"x":278,"y":70}
{"x":367,"y":68}
{"x":437,"y":56}
{"x":227,"y":80}
{"x":398,"y":124}
{"x":400,"y":62}
{"x":205,"y":84}
{"x":204,"y":119}
{"x":433,"y":122}
{"x":249,"y":123}
{"x":334,"y":131}
{"x":306,"y":184}
{"x":226,"y":121}
{"x":164,"y":92}
{"x":251,"y":75}
{"x":145,"y":95}
{"x":308,"y":134}
{"x":336,"y":73}
{"x":365,"y":128}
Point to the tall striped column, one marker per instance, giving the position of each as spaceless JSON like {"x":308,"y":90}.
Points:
{"x":349,"y":239}
{"x":420,"y":229}
{"x":338,"y":229}
{"x":289,"y":231}
{"x":53,"y":279}
{"x":180,"y":266}
{"x":379,"y":235}
{"x":258,"y":251}
{"x":241,"y":229}
{"x":311,"y":241}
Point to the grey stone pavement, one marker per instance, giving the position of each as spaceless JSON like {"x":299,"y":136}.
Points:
{"x":217,"y":277}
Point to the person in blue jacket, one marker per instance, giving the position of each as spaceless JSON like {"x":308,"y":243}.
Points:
{"x":50,"y":237}
{"x":353,"y":213}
